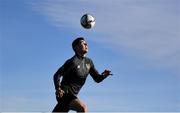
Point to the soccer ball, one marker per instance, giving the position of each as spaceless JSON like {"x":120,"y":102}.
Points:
{"x":87,"y":21}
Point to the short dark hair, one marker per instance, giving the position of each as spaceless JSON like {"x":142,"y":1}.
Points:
{"x":76,"y":42}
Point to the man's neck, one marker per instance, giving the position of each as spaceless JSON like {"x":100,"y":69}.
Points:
{"x":80,"y":55}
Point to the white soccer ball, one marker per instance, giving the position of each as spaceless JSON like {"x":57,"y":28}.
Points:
{"x":87,"y":21}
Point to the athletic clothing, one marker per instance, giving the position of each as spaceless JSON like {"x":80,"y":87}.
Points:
{"x":74,"y":73}
{"x":63,"y":103}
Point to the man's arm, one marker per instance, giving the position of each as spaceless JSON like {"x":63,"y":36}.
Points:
{"x":95,"y":74}
{"x":62,"y":71}
{"x":57,"y":77}
{"x":57,"y":84}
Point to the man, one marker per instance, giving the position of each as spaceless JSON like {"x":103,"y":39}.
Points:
{"x":74,"y":73}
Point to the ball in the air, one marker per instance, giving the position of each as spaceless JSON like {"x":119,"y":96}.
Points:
{"x":87,"y":21}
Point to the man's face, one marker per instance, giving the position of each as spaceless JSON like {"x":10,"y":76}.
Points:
{"x":82,"y":47}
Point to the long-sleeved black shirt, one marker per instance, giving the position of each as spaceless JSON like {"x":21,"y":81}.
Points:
{"x":74,"y":73}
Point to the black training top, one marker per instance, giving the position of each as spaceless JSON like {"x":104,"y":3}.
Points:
{"x":74,"y":73}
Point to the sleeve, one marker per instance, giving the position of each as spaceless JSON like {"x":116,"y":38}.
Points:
{"x":95,"y":74}
{"x":60,"y":72}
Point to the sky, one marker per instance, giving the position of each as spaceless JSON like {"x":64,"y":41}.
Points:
{"x":138,"y":40}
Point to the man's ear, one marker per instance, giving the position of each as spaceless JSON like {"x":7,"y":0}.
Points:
{"x":76,"y":48}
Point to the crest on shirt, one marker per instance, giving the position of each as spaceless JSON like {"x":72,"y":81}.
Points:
{"x":78,"y":66}
{"x":88,"y":66}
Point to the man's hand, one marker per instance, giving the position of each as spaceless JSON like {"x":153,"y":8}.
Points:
{"x":59,"y":92}
{"x":106,"y":73}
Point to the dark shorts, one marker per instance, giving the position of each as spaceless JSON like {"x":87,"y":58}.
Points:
{"x":63,"y":103}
